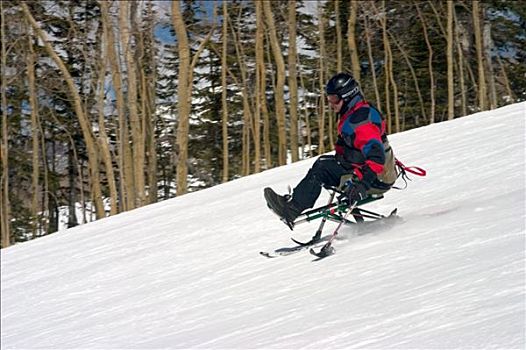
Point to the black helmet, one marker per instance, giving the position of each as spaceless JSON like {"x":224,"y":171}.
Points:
{"x":344,"y":86}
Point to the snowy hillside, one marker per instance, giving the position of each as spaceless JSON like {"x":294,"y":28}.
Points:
{"x":186,"y":273}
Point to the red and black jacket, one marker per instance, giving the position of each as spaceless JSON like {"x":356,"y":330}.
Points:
{"x":361,"y":139}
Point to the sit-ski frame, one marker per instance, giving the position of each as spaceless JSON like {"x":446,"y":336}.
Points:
{"x":337,"y":212}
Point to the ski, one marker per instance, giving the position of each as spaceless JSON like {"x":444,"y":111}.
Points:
{"x":334,"y":211}
{"x":283,"y":252}
{"x":315,"y":239}
{"x":326,"y":250}
{"x":289,"y":250}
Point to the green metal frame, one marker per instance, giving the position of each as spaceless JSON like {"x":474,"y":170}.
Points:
{"x":335,"y":211}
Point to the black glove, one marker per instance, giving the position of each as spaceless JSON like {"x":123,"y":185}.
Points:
{"x":355,"y":192}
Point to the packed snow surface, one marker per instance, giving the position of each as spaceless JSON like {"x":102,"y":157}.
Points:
{"x":186,"y":273}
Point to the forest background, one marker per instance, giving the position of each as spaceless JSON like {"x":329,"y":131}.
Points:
{"x":112,"y":105}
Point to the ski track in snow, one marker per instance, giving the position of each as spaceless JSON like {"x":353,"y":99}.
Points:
{"x":186,"y":273}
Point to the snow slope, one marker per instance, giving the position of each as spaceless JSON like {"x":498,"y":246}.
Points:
{"x":186,"y":273}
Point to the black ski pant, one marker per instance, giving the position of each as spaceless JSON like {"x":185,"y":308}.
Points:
{"x":326,"y":171}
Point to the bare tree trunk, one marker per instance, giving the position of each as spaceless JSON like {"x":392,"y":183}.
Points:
{"x":247,"y":114}
{"x":339,"y":46}
{"x":392,"y":79}
{"x":84,"y":122}
{"x":224,"y":88}
{"x":35,"y":190}
{"x":146,"y":64}
{"x":413,"y":74}
{"x":261,"y":84}
{"x":482,"y":94}
{"x":260,"y":74}
{"x":438,"y":18}
{"x":450,"y":81}
{"x":488,"y":44}
{"x":184,"y":93}
{"x":307,"y":121}
{"x":506,"y":81}
{"x":74,"y":161}
{"x":127,"y":184}
{"x":103,"y":137}
{"x":135,"y":121}
{"x":183,"y":97}
{"x":339,"y":63}
{"x":153,"y":187}
{"x":5,"y":215}
{"x":471,"y":76}
{"x":378,"y":101}
{"x":351,"y":38}
{"x":429,"y":65}
{"x":279,"y":91}
{"x":45,"y":183}
{"x":266,"y":124}
{"x":395,"y":90}
{"x":293,"y":82}
{"x":386,"y":82}
{"x":462,"y":85}
{"x":321,"y":74}
{"x":389,"y":77}
{"x":73,"y":172}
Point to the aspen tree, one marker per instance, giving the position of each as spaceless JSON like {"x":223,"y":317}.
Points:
{"x":184,"y":93}
{"x":261,"y":84}
{"x":482,"y":94}
{"x":183,"y":97}
{"x":224,"y":87}
{"x":450,"y":63}
{"x":125,"y":16}
{"x":505,"y":79}
{"x":293,"y":81}
{"x":279,"y":91}
{"x":127,"y":184}
{"x":247,"y":113}
{"x":5,"y":213}
{"x":429,"y":65}
{"x":339,"y":54}
{"x":488,"y":45}
{"x":307,"y":130}
{"x":321,"y":80}
{"x":367,"y":31}
{"x":257,"y":92}
{"x":462,"y":85}
{"x":91,"y":146}
{"x":103,"y":136}
{"x":405,"y":54}
{"x":351,"y":38}
{"x":389,"y":75}
{"x":35,"y":190}
{"x":146,"y":67}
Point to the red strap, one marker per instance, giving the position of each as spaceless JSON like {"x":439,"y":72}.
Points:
{"x":412,"y":169}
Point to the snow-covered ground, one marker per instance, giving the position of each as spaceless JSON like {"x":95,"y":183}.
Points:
{"x":186,"y":273}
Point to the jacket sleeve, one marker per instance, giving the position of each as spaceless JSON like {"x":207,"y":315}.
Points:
{"x":368,"y":140}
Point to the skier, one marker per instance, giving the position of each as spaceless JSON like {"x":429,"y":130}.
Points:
{"x":362,"y":154}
